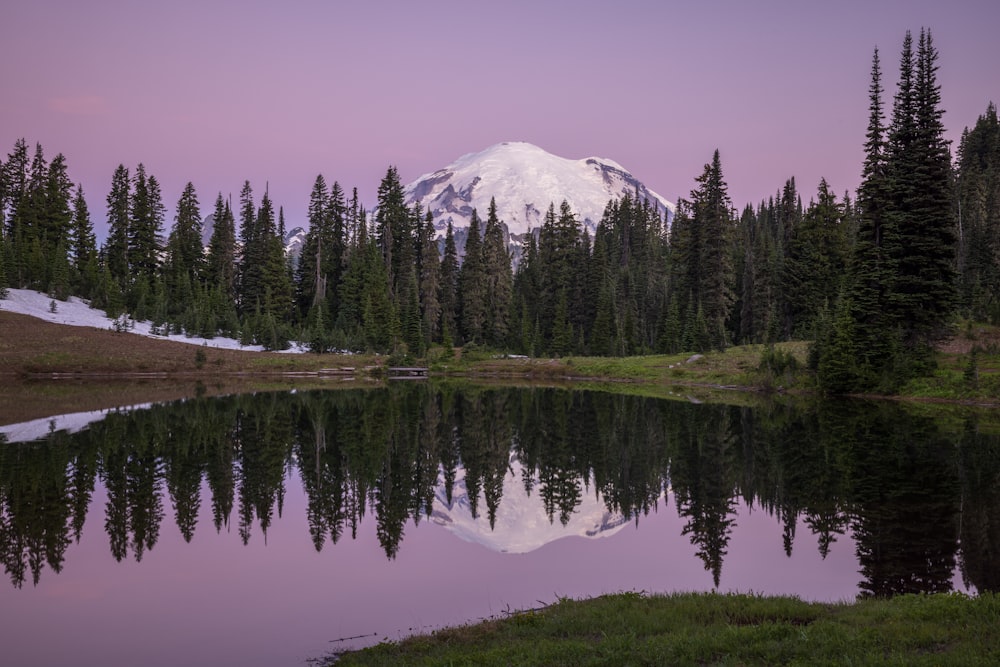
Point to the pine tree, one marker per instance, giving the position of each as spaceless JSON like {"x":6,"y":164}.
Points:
{"x":15,"y":179}
{"x":83,"y":246}
{"x":277,"y":279}
{"x":116,"y":250}
{"x":527,"y":297}
{"x":186,"y":234}
{"x":147,"y":214}
{"x":978,"y":182}
{"x":449,"y":285}
{"x":379,"y":319}
{"x":871,"y":264}
{"x":499,"y":280}
{"x":430,"y":281}
{"x":184,"y":264}
{"x":56,"y":216}
{"x":312,"y":279}
{"x":815,"y":261}
{"x":393,"y":229}
{"x":703,"y":274}
{"x":253,"y":255}
{"x":926,"y":279}
{"x":472,"y":286}
{"x":220,"y":270}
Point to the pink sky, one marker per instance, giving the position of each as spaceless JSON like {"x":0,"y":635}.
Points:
{"x":219,"y":92}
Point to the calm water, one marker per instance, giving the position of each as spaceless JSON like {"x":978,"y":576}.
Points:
{"x":261,"y":529}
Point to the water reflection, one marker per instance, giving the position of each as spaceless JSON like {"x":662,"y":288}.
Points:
{"x":506,"y":467}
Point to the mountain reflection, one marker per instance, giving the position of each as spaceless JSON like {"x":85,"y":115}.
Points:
{"x":920,"y":499}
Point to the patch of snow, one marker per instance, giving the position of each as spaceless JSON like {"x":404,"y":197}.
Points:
{"x":37,"y":429}
{"x":78,"y":313}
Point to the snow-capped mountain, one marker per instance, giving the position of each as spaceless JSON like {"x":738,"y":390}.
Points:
{"x":522,"y":524}
{"x":525,"y":179}
{"x":294,"y":239}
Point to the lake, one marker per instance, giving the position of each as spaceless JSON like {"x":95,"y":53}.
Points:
{"x":271,"y":528}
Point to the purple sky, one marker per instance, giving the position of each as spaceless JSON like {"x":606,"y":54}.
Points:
{"x":219,"y":92}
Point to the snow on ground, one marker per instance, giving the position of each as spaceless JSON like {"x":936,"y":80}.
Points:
{"x":76,"y":312}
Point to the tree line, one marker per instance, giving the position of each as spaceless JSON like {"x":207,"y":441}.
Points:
{"x":916,"y":497}
{"x":875,"y":280}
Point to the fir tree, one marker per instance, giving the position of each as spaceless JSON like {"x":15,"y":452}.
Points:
{"x":83,"y":247}
{"x":703,"y":274}
{"x":186,"y":244}
{"x":871,"y":265}
{"x":220,"y":270}
{"x":449,"y":285}
{"x":430,"y":281}
{"x":56,"y":216}
{"x":311,"y":281}
{"x":15,"y":202}
{"x":499,"y":280}
{"x":978,"y":183}
{"x":116,"y":248}
{"x":472,"y":286}
{"x":815,"y":261}
{"x":145,"y":225}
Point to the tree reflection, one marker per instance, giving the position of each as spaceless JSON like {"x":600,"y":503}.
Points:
{"x":907,"y":490}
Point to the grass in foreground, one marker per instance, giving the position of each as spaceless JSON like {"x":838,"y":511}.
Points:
{"x":713,"y":629}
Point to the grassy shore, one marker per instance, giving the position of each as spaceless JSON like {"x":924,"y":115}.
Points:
{"x":713,"y":629}
{"x":33,"y":349}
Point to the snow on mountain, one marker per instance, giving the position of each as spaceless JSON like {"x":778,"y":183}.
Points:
{"x":522,"y":524}
{"x":294,"y":239}
{"x":525,"y":179}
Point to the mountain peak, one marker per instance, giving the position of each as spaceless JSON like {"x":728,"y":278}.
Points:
{"x":524,"y":180}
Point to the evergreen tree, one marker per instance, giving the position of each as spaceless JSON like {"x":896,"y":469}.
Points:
{"x":703,"y":274}
{"x":430,"y":280}
{"x":277,"y":279}
{"x":186,"y":244}
{"x":184,"y":263}
{"x":558,"y":254}
{"x":83,"y":244}
{"x":499,"y":280}
{"x":393,"y":230}
{"x":472,"y":286}
{"x":978,"y":184}
{"x":253,"y":255}
{"x":116,"y":248}
{"x":147,"y":214}
{"x":220,"y":270}
{"x":923,"y":240}
{"x":871,"y":264}
{"x":311,"y":282}
{"x":56,"y":216}
{"x":379,"y":319}
{"x":449,"y":286}
{"x":815,"y":261}
{"x":527,"y":297}
{"x":15,"y":201}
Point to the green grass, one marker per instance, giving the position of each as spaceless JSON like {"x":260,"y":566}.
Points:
{"x":736,"y":367}
{"x":713,"y":629}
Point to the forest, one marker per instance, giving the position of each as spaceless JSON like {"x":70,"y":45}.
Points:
{"x":874,"y":280}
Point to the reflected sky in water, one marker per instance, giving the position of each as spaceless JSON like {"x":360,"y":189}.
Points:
{"x":277,"y":600}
